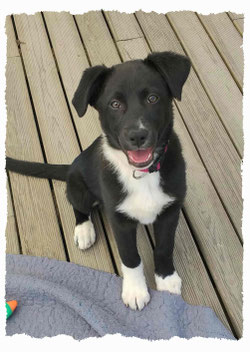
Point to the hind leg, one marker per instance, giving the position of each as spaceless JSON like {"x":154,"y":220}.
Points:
{"x":84,"y":235}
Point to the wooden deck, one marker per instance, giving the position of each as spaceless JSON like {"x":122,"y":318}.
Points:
{"x":47,"y":53}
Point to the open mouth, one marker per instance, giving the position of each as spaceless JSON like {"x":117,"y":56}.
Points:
{"x":140,"y":157}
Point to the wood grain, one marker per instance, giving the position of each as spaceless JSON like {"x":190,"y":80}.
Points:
{"x":12,"y":47}
{"x":123,"y":26}
{"x":11,"y":235}
{"x":72,"y":61}
{"x":56,"y":127}
{"x":213,"y":231}
{"x":12,"y":241}
{"x":227,"y":41}
{"x":214,"y":75}
{"x":133,"y":49}
{"x":238,"y":21}
{"x":97,"y":39}
{"x":37,"y":222}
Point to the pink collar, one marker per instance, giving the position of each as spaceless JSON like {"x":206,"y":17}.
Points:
{"x":158,"y":163}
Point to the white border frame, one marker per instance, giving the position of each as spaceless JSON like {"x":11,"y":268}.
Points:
{"x":110,"y":341}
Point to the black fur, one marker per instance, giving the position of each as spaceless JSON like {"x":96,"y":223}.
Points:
{"x":92,"y":178}
{"x":57,"y":172}
{"x":89,"y":86}
{"x":173,"y":67}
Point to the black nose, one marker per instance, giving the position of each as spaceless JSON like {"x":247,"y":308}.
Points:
{"x":137,"y":137}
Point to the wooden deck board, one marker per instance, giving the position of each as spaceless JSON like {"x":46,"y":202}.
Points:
{"x":123,"y":26}
{"x":201,"y":195}
{"x":238,"y":21}
{"x":228,"y":42}
{"x":214,"y":75}
{"x":131,"y":48}
{"x":213,"y":231}
{"x":56,"y":127}
{"x":72,"y":61}
{"x":12,"y":241}
{"x":36,"y":216}
{"x":215,"y":148}
{"x":57,"y":132}
{"x":97,"y":39}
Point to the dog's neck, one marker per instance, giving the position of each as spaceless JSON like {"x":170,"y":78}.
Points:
{"x":116,"y":157}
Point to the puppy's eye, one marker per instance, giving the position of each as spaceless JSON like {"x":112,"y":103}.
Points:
{"x":152,"y":99}
{"x":115,"y":104}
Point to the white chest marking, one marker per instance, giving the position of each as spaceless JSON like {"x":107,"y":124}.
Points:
{"x":145,"y":198}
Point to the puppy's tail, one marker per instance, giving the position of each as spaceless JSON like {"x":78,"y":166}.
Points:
{"x":52,"y":171}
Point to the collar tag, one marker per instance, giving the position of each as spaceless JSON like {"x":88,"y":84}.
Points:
{"x":137,"y":174}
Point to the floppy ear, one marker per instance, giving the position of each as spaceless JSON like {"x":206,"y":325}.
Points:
{"x":174,"y":68}
{"x":89,"y":88}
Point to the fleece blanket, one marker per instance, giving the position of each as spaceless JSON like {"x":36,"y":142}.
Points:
{"x":56,"y":297}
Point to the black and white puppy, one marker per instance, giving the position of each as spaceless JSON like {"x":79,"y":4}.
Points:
{"x":135,"y":168}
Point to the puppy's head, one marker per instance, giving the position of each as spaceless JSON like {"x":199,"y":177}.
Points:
{"x":134,"y":101}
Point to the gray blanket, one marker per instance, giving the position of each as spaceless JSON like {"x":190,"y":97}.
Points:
{"x":56,"y":297}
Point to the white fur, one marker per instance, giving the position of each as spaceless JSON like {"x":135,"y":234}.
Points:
{"x":171,"y":283}
{"x":140,"y":125}
{"x":85,"y":235}
{"x":134,"y":288}
{"x":145,"y":199}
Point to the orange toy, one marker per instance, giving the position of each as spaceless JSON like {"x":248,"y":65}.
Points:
{"x":10,"y":307}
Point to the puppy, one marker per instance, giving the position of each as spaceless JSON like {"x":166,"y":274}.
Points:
{"x":135,"y":169}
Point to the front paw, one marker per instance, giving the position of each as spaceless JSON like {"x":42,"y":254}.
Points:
{"x":85,"y":235}
{"x":135,"y":297}
{"x":134,"y":288}
{"x":171,"y":283}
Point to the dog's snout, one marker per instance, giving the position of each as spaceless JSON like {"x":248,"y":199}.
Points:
{"x":137,"y":137}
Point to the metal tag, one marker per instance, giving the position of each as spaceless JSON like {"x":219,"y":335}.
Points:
{"x":137,"y":177}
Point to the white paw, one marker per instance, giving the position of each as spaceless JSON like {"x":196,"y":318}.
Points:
{"x":135,"y":297}
{"x":171,"y":283}
{"x":84,"y":235}
{"x":134,"y":289}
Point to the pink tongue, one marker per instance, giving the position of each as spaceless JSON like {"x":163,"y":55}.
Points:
{"x":140,"y":156}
